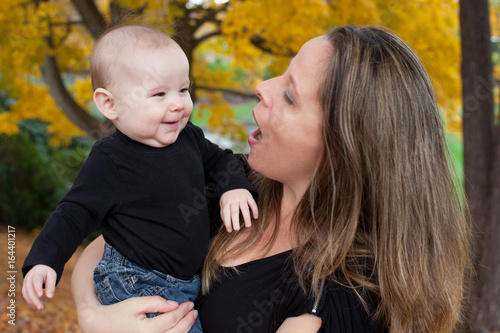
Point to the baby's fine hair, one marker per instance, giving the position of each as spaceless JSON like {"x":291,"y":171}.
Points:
{"x":121,"y":41}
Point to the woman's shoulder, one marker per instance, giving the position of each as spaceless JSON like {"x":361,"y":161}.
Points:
{"x":341,"y":310}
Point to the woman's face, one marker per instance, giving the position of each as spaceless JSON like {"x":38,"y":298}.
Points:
{"x":287,"y":144}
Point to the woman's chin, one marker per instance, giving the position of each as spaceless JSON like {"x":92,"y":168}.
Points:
{"x":252,"y":159}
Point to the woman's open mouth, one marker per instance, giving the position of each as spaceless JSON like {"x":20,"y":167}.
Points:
{"x":255,"y":137}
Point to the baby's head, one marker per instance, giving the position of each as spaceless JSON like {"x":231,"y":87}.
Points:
{"x":140,"y":78}
{"x":115,"y":48}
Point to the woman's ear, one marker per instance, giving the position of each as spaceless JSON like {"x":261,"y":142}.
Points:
{"x":105,"y":103}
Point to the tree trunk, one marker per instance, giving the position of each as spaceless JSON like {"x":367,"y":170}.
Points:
{"x":482,"y":164}
{"x":91,"y":16}
{"x":91,"y":126}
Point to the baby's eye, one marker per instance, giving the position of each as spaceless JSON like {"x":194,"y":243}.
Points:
{"x":160,"y":94}
{"x":184,"y":90}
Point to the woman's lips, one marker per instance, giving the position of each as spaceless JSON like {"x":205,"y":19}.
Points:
{"x":255,"y":137}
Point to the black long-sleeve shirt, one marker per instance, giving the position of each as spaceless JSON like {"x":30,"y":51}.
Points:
{"x":150,"y":203}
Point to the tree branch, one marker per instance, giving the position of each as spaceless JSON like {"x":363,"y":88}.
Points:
{"x":207,"y":36}
{"x":93,"y":19}
{"x":260,"y":43}
{"x":81,"y":118}
{"x":226,"y":90}
{"x":67,"y":25}
{"x":94,"y":128}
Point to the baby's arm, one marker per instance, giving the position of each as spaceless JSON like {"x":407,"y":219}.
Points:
{"x":234,"y":201}
{"x":33,"y":283}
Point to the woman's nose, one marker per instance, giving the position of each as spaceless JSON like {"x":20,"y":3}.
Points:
{"x":262,"y":92}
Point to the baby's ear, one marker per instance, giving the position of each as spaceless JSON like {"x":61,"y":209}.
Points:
{"x":105,"y":103}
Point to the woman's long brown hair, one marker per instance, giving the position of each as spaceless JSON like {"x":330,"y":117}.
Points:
{"x":384,"y":211}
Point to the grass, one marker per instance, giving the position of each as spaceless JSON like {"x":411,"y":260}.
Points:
{"x":242,"y":112}
{"x":456,"y":147}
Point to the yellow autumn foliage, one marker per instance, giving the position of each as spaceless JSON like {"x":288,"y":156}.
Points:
{"x":278,"y":26}
{"x":430,"y":27}
{"x":22,"y":32}
{"x":495,"y":33}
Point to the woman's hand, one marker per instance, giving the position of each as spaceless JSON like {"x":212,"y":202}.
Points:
{"x":130,"y":316}
{"x":126,"y":316}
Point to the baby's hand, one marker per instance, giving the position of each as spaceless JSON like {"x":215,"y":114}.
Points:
{"x":33,"y":284}
{"x":231,"y":203}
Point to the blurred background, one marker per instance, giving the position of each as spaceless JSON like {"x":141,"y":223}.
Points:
{"x":48,"y":122}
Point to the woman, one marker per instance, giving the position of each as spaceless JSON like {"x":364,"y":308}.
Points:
{"x":361,"y":229}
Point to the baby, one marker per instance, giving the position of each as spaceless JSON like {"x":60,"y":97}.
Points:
{"x":144,"y":185}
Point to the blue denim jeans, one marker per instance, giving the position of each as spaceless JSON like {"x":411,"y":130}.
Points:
{"x":117,"y":279}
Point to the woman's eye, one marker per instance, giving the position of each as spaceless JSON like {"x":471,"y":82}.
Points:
{"x":287,"y":98}
{"x":160,"y":94}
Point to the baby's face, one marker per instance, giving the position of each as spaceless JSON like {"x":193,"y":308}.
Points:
{"x":151,"y":94}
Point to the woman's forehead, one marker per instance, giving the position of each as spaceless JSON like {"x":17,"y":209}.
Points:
{"x":308,"y":65}
{"x":312,"y":55}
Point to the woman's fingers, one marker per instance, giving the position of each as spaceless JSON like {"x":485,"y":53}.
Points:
{"x":153,"y":304}
{"x":185,"y":324}
{"x":179,"y":320}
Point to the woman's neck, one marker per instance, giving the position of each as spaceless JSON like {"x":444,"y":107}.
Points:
{"x":290,"y":200}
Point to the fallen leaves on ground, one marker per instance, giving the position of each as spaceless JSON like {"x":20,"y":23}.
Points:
{"x":59,"y":314}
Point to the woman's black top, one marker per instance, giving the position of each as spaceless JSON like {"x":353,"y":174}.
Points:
{"x":263,"y":293}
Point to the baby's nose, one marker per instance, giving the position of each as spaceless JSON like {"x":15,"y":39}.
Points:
{"x":176,"y":105}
